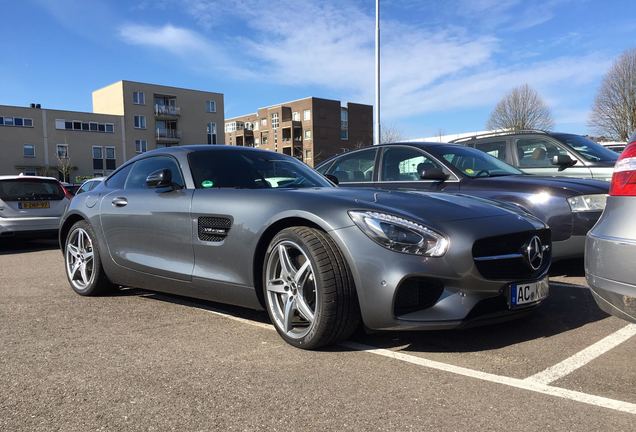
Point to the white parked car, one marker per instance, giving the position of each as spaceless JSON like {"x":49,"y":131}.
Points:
{"x":89,"y":185}
{"x":31,"y":205}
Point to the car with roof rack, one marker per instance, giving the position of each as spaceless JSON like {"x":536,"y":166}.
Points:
{"x":546,"y":153}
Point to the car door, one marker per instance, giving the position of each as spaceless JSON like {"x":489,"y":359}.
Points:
{"x":150,"y":229}
{"x":401,"y":167}
{"x":357,"y":168}
{"x":534,"y":155}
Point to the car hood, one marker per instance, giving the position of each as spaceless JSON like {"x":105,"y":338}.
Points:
{"x":429,"y":206}
{"x":564,"y":186}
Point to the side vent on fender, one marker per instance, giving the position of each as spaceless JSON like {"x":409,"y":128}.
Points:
{"x":214,"y":228}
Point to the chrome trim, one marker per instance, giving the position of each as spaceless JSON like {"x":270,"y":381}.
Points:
{"x":499,"y":257}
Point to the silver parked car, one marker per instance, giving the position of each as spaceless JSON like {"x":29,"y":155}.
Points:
{"x":89,"y":185}
{"x":31,"y":205}
{"x":262,"y":230}
{"x":610,"y":251}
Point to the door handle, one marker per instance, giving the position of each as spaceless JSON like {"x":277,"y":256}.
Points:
{"x":120,"y":202}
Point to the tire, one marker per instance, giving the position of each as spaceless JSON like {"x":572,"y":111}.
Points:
{"x":309,"y":292}
{"x":82,"y":263}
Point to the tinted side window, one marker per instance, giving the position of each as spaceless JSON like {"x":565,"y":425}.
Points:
{"x":85,"y":188}
{"x":405,"y":164}
{"x":496,"y":149}
{"x":355,"y":167}
{"x":537,"y":152}
{"x":145,"y":167}
{"x":118,"y":179}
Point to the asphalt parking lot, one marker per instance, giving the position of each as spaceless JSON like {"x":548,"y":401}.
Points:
{"x":143,"y":361}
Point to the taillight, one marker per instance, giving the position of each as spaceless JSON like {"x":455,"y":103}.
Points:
{"x":67,"y":194}
{"x":624,"y":177}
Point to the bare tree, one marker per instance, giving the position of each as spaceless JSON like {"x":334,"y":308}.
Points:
{"x":390,"y":133}
{"x":64,"y":167}
{"x":521,"y":108}
{"x":614,"y":110}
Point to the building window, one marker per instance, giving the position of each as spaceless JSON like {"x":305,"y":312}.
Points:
{"x":28,"y":122}
{"x":211,"y":133}
{"x":62,"y":151}
{"x":344,"y":124}
{"x":257,"y":142}
{"x":307,"y":134}
{"x":275,"y":121}
{"x":110,"y":128}
{"x":255,"y":125}
{"x":30,"y":171}
{"x":264,"y":122}
{"x":60,"y":124}
{"x":139,"y":98}
{"x":93,"y":126}
{"x":98,"y":174}
{"x":307,"y":115}
{"x":82,"y":126}
{"x":110,"y":158}
{"x":98,"y":158}
{"x":307,"y":154}
{"x":210,"y":106}
{"x":16,"y":121}
{"x":296,"y":116}
{"x":141,"y":146}
{"x":140,"y":122}
{"x":29,"y":151}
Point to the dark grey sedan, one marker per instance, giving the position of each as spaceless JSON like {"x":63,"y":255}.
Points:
{"x":610,"y":251}
{"x":262,"y":230}
{"x":569,"y":206}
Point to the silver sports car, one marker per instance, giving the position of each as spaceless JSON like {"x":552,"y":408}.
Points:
{"x":262,"y":230}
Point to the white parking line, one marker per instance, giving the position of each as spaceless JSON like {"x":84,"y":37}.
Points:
{"x":524,"y":384}
{"x":583,"y":357}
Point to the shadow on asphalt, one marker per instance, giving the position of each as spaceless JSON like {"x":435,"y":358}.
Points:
{"x":17,"y":245}
{"x":571,"y":268}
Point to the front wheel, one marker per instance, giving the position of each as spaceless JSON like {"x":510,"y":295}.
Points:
{"x":308,"y":288}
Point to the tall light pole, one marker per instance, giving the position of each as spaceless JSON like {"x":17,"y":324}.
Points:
{"x":376,"y":111}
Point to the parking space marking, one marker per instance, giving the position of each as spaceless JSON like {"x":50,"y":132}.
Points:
{"x":599,"y":401}
{"x":524,"y":384}
{"x":583,"y":357}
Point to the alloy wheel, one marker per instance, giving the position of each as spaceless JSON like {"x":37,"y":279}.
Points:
{"x":79,"y":259}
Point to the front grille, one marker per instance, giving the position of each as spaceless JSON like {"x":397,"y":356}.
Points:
{"x":504,"y":258}
{"x":214,"y":228}
{"x":417,"y":293}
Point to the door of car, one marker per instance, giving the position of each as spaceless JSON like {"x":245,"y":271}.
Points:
{"x":401,"y":168}
{"x":357,"y":168}
{"x":150,"y":229}
{"x":534,"y":154}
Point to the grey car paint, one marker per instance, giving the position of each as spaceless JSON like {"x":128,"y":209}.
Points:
{"x":568,"y":228}
{"x":152,"y":242}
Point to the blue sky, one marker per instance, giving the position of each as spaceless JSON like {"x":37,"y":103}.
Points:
{"x":445,"y":63}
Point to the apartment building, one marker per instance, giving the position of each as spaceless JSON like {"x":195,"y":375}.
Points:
{"x":310,"y":129}
{"x":128,"y":118}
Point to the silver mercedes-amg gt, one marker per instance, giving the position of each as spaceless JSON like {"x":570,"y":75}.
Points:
{"x":262,"y":230}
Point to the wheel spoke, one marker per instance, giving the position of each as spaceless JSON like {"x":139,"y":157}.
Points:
{"x":80,"y":241}
{"x":73,"y":250}
{"x":88,"y":256}
{"x":76,"y":266}
{"x":290,"y":305}
{"x":83,"y":273}
{"x":276,"y":286}
{"x":304,"y":309}
{"x":301,"y":272}
{"x":286,"y":265}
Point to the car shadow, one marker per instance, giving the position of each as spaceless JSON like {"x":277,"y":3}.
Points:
{"x":570,"y":267}
{"x":17,"y":245}
{"x":568,"y":307}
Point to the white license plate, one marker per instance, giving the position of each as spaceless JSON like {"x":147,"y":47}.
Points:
{"x":528,"y":292}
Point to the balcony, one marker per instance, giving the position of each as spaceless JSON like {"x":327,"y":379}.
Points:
{"x":168,"y":135}
{"x":167,"y":111}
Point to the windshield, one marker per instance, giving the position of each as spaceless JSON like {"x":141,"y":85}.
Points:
{"x":30,"y":189}
{"x":590,"y":150}
{"x":251,"y":170}
{"x":471,"y":162}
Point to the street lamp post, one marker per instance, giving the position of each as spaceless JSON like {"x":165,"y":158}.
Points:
{"x":376,"y":111}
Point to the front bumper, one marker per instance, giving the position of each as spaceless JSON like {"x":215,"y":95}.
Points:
{"x":16,"y":226}
{"x":608,"y":264}
{"x":466,"y":299}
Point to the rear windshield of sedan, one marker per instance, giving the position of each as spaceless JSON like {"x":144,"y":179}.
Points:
{"x":30,"y":189}
{"x":251,"y":170}
{"x":590,"y":150}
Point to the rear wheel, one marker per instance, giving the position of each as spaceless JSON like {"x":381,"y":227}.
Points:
{"x":309,"y":292}
{"x":82,"y":261}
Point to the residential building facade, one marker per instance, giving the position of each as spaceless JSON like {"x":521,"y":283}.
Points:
{"x":128,"y":118}
{"x":310,"y":129}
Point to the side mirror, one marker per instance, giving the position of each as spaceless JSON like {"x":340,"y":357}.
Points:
{"x":563,"y":161}
{"x":434,"y":174}
{"x":333,"y":179}
{"x":160,"y":178}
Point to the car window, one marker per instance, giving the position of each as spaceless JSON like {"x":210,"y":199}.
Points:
{"x":472,"y":162}
{"x":251,"y":170}
{"x":590,"y":150}
{"x":30,"y":189}
{"x":143,"y":168}
{"x":117,"y":180}
{"x":405,"y":164}
{"x":85,"y":187}
{"x":355,"y":167}
{"x":495,"y":149}
{"x":537,"y":152}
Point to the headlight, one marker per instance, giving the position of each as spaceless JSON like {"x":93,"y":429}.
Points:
{"x":400,"y":235}
{"x":585,"y":203}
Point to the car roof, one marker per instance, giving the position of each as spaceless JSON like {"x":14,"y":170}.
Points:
{"x":21,"y":176}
